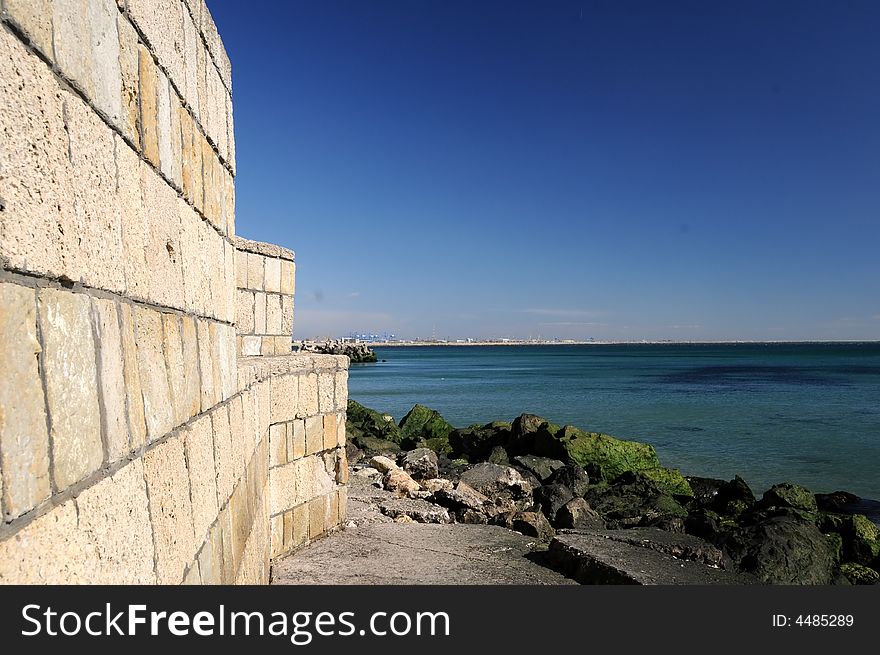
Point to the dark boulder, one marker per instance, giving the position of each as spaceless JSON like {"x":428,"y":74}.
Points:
{"x":353,"y":454}
{"x":420,"y":463}
{"x":424,"y":427}
{"x":363,"y":421}
{"x":633,"y":500}
{"x":541,"y":467}
{"x":551,"y":498}
{"x":475,"y":443}
{"x":734,"y":497}
{"x":859,"y":574}
{"x":573,"y":477}
{"x":375,"y":446}
{"x":461,"y":497}
{"x":789,"y":495}
{"x":532,"y":524}
{"x":498,"y":456}
{"x":705,"y":490}
{"x":782,"y":550}
{"x":524,"y":430}
{"x":577,"y":514}
{"x":836,"y":501}
{"x":604,"y":457}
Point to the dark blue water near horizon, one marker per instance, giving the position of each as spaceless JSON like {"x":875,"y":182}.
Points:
{"x":807,"y":412}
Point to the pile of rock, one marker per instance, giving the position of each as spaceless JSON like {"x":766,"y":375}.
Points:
{"x":541,"y":479}
{"x":358,"y":353}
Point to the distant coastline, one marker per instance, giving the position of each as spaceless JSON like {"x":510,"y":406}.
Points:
{"x":526,"y":342}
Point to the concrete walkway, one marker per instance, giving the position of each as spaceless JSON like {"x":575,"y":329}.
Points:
{"x":375,"y":550}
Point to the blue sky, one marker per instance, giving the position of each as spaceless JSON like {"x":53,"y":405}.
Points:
{"x":630,"y":170}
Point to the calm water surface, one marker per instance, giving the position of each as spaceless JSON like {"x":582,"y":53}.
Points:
{"x":808,"y":413}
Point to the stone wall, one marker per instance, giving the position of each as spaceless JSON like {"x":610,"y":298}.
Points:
{"x":134,"y":445}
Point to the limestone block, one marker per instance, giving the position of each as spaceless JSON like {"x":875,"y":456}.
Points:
{"x":283,"y":345}
{"x":300,"y":524}
{"x":168,"y":129}
{"x":341,"y":466}
{"x":193,"y":576}
{"x":210,"y":557}
{"x":273,"y":312}
{"x":215,"y":120}
{"x":130,"y":81}
{"x":277,"y":536}
{"x":211,"y":186}
{"x":161,"y":22}
{"x":202,"y":476}
{"x":288,"y":530}
{"x":111,"y":377}
{"x":172,"y":347}
{"x":308,"y":395}
{"x":241,"y":269}
{"x":158,"y":411}
{"x":278,"y":444}
{"x":230,"y":131}
{"x":37,"y":224}
{"x":250,"y":427}
{"x":71,"y":34}
{"x":326,"y":390}
{"x":340,"y":430}
{"x":34,"y":19}
{"x":71,"y":385}
{"x":262,"y":389}
{"x":244,"y":312}
{"x":288,"y":277}
{"x":237,"y":429}
{"x":330,"y":431}
{"x":283,"y":395}
{"x":208,"y":393}
{"x":341,"y":389}
{"x":170,"y":508}
{"x":50,"y":550}
{"x":114,"y":518}
{"x":148,"y":95}
{"x":137,"y":428}
{"x":229,"y":199}
{"x":24,"y":436}
{"x":256,"y":271}
{"x":158,"y":239}
{"x":198,"y":241}
{"x":316,"y":517}
{"x":213,"y":333}
{"x":229,"y":280}
{"x":201,"y":62}
{"x":226,"y":356}
{"x":287,"y":485}
{"x":267,"y":346}
{"x":241,"y":522}
{"x":287,"y":315}
{"x":191,"y":377}
{"x":314,"y":434}
{"x":102,"y":15}
{"x":259,"y":313}
{"x":297,"y":435}
{"x":273,"y":275}
{"x":215,"y":46}
{"x":187,"y":170}
{"x":332,"y":509}
{"x":191,"y":43}
{"x":250,"y":346}
{"x":98,"y":228}
{"x":225,"y":520}
{"x":223,"y":463}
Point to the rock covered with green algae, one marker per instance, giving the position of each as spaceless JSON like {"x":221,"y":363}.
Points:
{"x":365,"y":422}
{"x":669,"y":480}
{"x":790,"y":495}
{"x":859,"y":574}
{"x":425,"y":427}
{"x":603,"y":456}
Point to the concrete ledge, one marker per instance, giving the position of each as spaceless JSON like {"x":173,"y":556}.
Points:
{"x":265,"y":249}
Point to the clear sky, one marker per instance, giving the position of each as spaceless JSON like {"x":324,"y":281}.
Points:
{"x":621,"y":169}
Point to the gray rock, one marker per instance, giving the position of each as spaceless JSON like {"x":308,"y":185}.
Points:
{"x":551,"y":498}
{"x":541,"y":467}
{"x":419,"y":511}
{"x":462,"y":497}
{"x":572,"y":476}
{"x":532,"y":524}
{"x":578,"y":514}
{"x":420,"y":463}
{"x":498,"y":456}
{"x":494,"y":479}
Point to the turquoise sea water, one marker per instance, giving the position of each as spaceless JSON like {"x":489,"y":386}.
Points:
{"x":808,"y":413}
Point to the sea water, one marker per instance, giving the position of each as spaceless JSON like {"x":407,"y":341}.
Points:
{"x":806,"y":413}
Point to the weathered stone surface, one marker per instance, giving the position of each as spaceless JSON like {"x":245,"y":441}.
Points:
{"x":418,"y":510}
{"x":330,"y":431}
{"x":170,"y":509}
{"x":423,"y":426}
{"x":37,"y":225}
{"x":573,"y":477}
{"x":541,"y":467}
{"x":591,"y":558}
{"x":532,"y":524}
{"x":273,"y":313}
{"x":260,"y":313}
{"x":158,"y":408}
{"x":223,"y":454}
{"x":244,"y":312}
{"x":314,"y":434}
{"x":316,"y":517}
{"x":383,"y":464}
{"x":551,"y":498}
{"x":102,"y":15}
{"x":50,"y":550}
{"x":288,"y":273}
{"x":256,"y":271}
{"x":251,"y":346}
{"x":494,"y":479}
{"x":71,"y":385}
{"x":24,"y":437}
{"x":148,"y":95}
{"x":420,"y":463}
{"x":137,"y":428}
{"x":273,"y":275}
{"x":33,"y":18}
{"x":199,"y":447}
{"x":130,"y":81}
{"x":278,"y":444}
{"x":308,"y":395}
{"x":297,"y":439}
{"x":399,"y":480}
{"x":115,"y":521}
{"x":72,"y":43}
{"x":224,"y":346}
{"x":634,"y":500}
{"x":859,"y":574}
{"x":462,"y":497}
{"x":161,"y":22}
{"x":209,"y":393}
{"x":284,"y":393}
{"x":326,"y":386}
{"x":191,"y":377}
{"x":111,"y":378}
{"x":578,"y":514}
